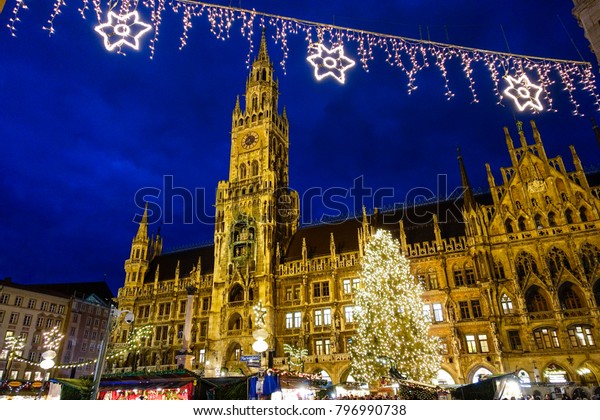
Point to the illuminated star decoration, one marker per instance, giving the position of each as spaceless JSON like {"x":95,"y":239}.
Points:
{"x":524,"y":93}
{"x":122,"y":30}
{"x":330,"y":62}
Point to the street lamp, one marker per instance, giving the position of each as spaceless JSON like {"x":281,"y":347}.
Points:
{"x":260,"y":334}
{"x":113,"y":315}
{"x":51,"y":341}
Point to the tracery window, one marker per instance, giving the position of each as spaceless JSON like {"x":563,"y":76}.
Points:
{"x":525,"y":264}
{"x":590,"y":256}
{"x":557,"y":259}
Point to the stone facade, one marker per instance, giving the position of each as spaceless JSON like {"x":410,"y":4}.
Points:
{"x":78,"y":310}
{"x":587,"y":13}
{"x":512,"y":276}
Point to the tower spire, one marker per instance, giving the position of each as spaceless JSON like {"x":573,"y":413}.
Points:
{"x":469,"y":200}
{"x":142,"y":232}
{"x":263,"y":54}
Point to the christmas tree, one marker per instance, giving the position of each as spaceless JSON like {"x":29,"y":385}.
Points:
{"x":392,"y":329}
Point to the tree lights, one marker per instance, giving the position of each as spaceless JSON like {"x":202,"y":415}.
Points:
{"x":410,"y":56}
{"x":392,"y":330}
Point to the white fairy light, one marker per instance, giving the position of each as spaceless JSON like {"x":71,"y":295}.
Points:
{"x":330,"y":62}
{"x":410,"y":56}
{"x":122,"y":30}
{"x":524,"y":93}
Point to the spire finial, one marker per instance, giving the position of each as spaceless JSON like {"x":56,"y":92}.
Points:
{"x":519,"y":126}
{"x":469,"y":200}
{"x":263,"y":55}
{"x":142,"y":232}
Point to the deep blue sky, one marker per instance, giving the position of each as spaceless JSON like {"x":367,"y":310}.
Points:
{"x":83,"y":129}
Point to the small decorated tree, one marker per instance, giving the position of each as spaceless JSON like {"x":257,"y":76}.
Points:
{"x":392,"y":334}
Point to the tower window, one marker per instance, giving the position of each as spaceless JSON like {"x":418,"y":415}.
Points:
{"x":551,"y":219}
{"x":508,"y":226}
{"x":507,"y":305}
{"x":538,"y":221}
{"x":583,"y":214}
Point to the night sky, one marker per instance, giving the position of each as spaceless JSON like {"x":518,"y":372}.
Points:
{"x":83,"y":129}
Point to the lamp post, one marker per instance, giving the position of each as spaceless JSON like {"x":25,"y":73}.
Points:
{"x":52,"y":341}
{"x":260,"y":334}
{"x":113,"y":316}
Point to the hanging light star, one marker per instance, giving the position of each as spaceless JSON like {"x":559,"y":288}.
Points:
{"x":330,"y":62}
{"x":122,"y":30}
{"x":524,"y":93}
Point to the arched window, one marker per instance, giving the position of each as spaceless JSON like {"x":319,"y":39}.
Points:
{"x":568,"y":297}
{"x":590,"y":257}
{"x":581,"y":336}
{"x":254,"y":101}
{"x":459,"y":277}
{"x":499,"y":270}
{"x":254,"y":168}
{"x":263,"y":100}
{"x":557,"y":259}
{"x":433,"y":280}
{"x":535,"y":300}
{"x":596,"y":291}
{"x":508,"y":226}
{"x":538,"y":221}
{"x":525,"y":264}
{"x":546,"y":338}
{"x":551,"y":219}
{"x":469,"y":274}
{"x":507,"y":305}
{"x":236,"y":294}
{"x":242,"y":171}
{"x":521,"y":223}
{"x":583,"y":214}
{"x":235,"y":322}
{"x":569,"y":216}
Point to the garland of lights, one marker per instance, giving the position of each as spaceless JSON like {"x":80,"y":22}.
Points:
{"x":407,"y":54}
{"x":134,"y":343}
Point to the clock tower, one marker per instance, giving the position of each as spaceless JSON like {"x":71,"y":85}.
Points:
{"x":256,"y":213}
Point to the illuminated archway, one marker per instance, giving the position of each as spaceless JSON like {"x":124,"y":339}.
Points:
{"x":444,"y":378}
{"x":480,"y":374}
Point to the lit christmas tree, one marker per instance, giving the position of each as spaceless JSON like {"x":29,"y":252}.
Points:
{"x":392,"y":329}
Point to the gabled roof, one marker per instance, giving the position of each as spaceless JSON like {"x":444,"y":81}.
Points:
{"x":418,"y":227}
{"x":82,"y":290}
{"x":187,"y":258}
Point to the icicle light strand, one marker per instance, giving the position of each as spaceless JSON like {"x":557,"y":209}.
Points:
{"x":407,"y":54}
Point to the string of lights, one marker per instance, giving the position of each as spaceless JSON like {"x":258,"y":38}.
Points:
{"x":410,"y":55}
{"x":134,"y":343}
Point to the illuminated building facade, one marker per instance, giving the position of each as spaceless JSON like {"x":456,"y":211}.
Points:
{"x":512,"y":276}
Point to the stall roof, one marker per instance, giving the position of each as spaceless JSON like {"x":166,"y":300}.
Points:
{"x":148,"y":380}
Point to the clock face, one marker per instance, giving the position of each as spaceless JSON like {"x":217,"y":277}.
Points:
{"x":249,"y":140}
